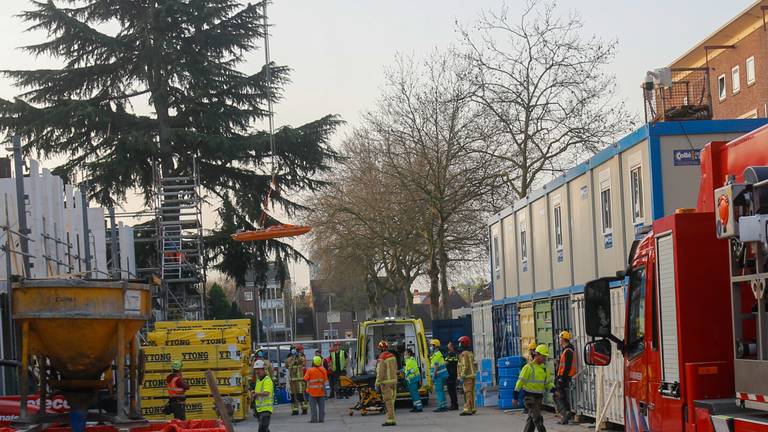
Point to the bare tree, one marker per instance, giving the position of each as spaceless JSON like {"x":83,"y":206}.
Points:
{"x":544,"y":88}
{"x":365,"y":227}
{"x":429,"y":134}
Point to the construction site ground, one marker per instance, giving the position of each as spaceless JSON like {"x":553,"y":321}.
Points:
{"x":337,"y":418}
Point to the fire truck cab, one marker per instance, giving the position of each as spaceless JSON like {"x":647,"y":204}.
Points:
{"x":695,"y":343}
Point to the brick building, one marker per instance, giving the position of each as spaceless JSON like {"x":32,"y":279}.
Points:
{"x":735,"y":58}
{"x":272,"y":288}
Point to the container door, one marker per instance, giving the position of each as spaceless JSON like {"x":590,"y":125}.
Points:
{"x":543,"y":320}
{"x":527,"y":327}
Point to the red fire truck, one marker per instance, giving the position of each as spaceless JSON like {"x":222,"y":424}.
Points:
{"x":695,"y":344}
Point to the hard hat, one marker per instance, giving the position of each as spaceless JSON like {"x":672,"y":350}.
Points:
{"x":542,"y":350}
{"x":259,"y":364}
{"x":565,"y":334}
{"x":300,"y":348}
{"x":435,"y":343}
{"x":317,"y":361}
{"x":176,"y":365}
{"x":532,"y":346}
{"x":465,"y":341}
{"x":383,"y":345}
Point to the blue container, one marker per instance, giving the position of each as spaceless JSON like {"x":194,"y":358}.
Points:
{"x":509,"y":372}
{"x":486,"y":365}
{"x":484,"y":376}
{"x":479,"y":399}
{"x":505,"y":403}
{"x":507,"y":383}
{"x":512,"y":362}
{"x":282,"y":396}
{"x":506,"y":393}
{"x":450,"y":330}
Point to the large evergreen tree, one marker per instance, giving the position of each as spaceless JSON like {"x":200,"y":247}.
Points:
{"x":179,"y":58}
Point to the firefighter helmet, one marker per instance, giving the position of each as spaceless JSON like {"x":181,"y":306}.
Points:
{"x":465,"y":341}
{"x":383,"y":345}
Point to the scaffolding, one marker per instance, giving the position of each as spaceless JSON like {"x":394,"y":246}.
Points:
{"x":180,"y":225}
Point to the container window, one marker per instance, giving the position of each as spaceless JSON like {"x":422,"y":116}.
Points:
{"x":558,"y":217}
{"x":750,"y":71}
{"x":496,"y":258}
{"x":249,"y":295}
{"x":636,"y":185}
{"x":605,"y":205}
{"x":735,"y":79}
{"x":523,"y":245}
{"x":721,"y":87}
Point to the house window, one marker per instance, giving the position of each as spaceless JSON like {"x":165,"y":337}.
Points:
{"x":280,"y":318}
{"x":605,"y":204}
{"x":735,"y":79}
{"x":249,"y":296}
{"x":558,"y":227}
{"x":750,"y":71}
{"x":721,"y":87}
{"x":636,"y":186}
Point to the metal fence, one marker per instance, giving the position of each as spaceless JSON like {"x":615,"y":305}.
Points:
{"x":678,"y":94}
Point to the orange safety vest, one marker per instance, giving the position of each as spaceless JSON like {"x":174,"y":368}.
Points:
{"x":561,"y":367}
{"x":174,"y":387}
{"x":316,"y":378}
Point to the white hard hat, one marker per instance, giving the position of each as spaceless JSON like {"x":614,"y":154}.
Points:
{"x":259,"y":364}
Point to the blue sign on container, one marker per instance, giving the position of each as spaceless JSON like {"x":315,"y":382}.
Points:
{"x":686,"y":157}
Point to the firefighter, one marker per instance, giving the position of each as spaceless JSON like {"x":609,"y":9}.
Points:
{"x":413,"y":380}
{"x":296,"y":365}
{"x":264,"y":395}
{"x":439,"y":374}
{"x":451,"y":364}
{"x":177,"y":390}
{"x":467,"y":371}
{"x":386,"y":380}
{"x":535,"y":379}
{"x":565,"y":371}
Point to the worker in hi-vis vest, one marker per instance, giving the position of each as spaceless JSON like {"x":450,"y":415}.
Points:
{"x":535,"y":379}
{"x":566,"y":369}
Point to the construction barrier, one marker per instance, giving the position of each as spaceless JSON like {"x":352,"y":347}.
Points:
{"x":202,"y":357}
{"x":218,"y":336}
{"x":229,"y":383}
{"x":244,"y":324}
{"x":197,"y":408}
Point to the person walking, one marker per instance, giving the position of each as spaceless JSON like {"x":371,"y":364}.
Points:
{"x":566,"y":369}
{"x":386,"y":381}
{"x":264,"y":395}
{"x":451,"y":364}
{"x":467,"y":373}
{"x":439,"y":375}
{"x":338,"y":369}
{"x":296,"y":365}
{"x":316,"y":378}
{"x":413,"y":380}
{"x":531,"y":355}
{"x":177,"y":391}
{"x":534,"y":379}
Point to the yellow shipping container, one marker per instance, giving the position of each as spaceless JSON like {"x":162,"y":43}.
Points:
{"x":230,"y":356}
{"x":229,"y":382}
{"x":204,"y":324}
{"x":177,"y":337}
{"x":198,"y":408}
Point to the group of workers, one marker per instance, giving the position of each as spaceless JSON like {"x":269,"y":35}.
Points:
{"x":446,"y":371}
{"x":535,"y":380}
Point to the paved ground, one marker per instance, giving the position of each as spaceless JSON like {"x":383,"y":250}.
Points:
{"x":338,"y":419}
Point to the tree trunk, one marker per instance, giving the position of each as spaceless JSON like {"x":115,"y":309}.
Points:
{"x":445,"y":311}
{"x":434,"y":289}
{"x":408,"y":300}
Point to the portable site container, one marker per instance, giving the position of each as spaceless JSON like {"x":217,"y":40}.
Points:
{"x":482,"y":331}
{"x":527,"y":326}
{"x":506,"y":331}
{"x":580,"y":225}
{"x":593,"y":385}
{"x":561,"y":320}
{"x":542,"y":311}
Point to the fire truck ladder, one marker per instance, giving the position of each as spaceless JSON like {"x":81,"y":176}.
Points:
{"x":181,"y":245}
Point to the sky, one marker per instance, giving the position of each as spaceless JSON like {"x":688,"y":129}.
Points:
{"x":339,"y":49}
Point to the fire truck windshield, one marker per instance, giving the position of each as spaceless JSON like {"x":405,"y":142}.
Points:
{"x":636,"y":312}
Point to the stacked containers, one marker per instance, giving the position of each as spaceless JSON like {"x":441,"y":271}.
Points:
{"x":220,"y":346}
{"x":543,"y":321}
{"x":506,"y":331}
{"x":509,"y":371}
{"x":483,"y":381}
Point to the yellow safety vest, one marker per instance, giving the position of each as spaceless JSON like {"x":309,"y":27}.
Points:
{"x":264,"y":403}
{"x":534,"y":378}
